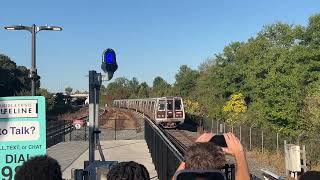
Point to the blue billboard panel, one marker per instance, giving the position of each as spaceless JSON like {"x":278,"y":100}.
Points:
{"x":22,"y":132}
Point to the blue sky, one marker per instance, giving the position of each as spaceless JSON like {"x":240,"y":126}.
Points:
{"x":151,"y":37}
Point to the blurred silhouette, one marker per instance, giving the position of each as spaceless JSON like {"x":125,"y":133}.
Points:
{"x":206,"y":155}
{"x":201,"y":156}
{"x":128,"y":171}
{"x":39,"y":168}
{"x":310,"y":175}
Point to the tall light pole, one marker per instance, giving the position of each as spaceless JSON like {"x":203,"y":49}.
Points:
{"x":33,"y":30}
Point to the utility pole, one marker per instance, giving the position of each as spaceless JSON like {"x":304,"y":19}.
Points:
{"x":33,"y":29}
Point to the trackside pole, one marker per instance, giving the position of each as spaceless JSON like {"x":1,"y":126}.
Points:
{"x":95,"y":81}
{"x":91,"y":115}
{"x":97,"y":169}
{"x":96,"y":95}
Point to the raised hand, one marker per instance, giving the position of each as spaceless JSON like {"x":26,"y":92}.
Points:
{"x":236,"y":149}
{"x":205,"y":137}
{"x":234,"y":146}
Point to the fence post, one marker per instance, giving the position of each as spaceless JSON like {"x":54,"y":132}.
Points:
{"x":211,"y":125}
{"x":285,"y":157}
{"x":115,"y":129}
{"x":85,"y":132}
{"x":224,"y":127}
{"x":221,"y":128}
{"x":64,"y":133}
{"x":304,"y":158}
{"x":70,"y":131}
{"x":262,"y":141}
{"x":232,"y":129}
{"x":250,"y":145}
{"x":218,"y":127}
{"x":277,"y":143}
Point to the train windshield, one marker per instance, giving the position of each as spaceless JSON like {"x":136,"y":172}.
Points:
{"x":177,"y":104}
{"x":161,"y":106}
{"x":169,"y":106}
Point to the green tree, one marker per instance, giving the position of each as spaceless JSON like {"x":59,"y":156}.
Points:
{"x":186,"y":80}
{"x":118,"y":89}
{"x":275,"y":70}
{"x":68,"y":90}
{"x":144,"y":90}
{"x":160,"y":87}
{"x":50,"y":100}
{"x":133,"y":87}
{"x":13,"y":79}
{"x":103,"y":95}
{"x":312,"y":34}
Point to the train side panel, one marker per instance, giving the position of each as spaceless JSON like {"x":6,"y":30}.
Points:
{"x":167,"y":111}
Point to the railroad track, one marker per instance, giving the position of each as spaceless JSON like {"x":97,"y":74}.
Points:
{"x":180,"y":139}
{"x":120,"y":119}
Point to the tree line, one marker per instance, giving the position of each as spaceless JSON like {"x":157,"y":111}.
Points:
{"x":15,"y":81}
{"x":271,"y":80}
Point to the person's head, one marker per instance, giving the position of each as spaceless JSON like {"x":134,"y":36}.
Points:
{"x":203,"y":156}
{"x":39,"y":167}
{"x":128,"y":171}
{"x":310,"y":175}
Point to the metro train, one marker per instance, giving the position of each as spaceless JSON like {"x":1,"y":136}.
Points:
{"x":166,"y":111}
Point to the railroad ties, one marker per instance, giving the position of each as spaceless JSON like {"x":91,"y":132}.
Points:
{"x":181,"y":139}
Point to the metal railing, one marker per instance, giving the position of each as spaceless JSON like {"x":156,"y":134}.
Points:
{"x":165,"y":156}
{"x":56,"y":132}
{"x":115,"y":129}
{"x":268,"y":175}
{"x":167,"y":152}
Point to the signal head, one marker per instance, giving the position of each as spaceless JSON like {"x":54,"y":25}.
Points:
{"x":109,"y":62}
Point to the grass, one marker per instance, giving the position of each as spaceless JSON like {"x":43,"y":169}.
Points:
{"x":272,"y":159}
{"x":276,"y":161}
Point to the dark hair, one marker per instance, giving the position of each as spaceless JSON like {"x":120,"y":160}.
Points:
{"x":128,"y":171}
{"x":203,"y":156}
{"x":39,"y":168}
{"x":310,"y":175}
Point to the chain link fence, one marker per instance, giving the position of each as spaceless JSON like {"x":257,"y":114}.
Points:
{"x":264,"y":140}
{"x":122,"y":129}
{"x":63,"y":131}
{"x":114,"y":129}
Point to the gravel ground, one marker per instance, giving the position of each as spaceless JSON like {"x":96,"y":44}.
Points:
{"x":255,"y":166}
{"x":110,"y":133}
{"x":125,"y":134}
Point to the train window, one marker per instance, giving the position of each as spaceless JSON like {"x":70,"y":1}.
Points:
{"x":161,"y":106}
{"x":169,"y":106}
{"x":177,"y":104}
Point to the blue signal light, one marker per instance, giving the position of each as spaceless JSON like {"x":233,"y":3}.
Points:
{"x":109,"y":58}
{"x":109,"y":63}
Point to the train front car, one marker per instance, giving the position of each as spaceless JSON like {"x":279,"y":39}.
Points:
{"x":169,"y":112}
